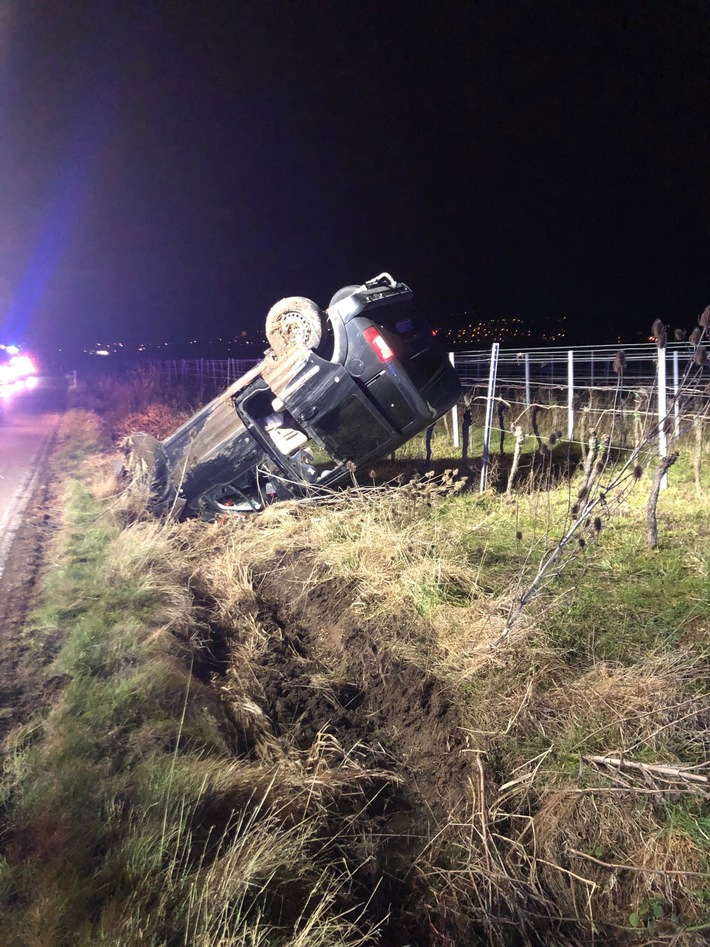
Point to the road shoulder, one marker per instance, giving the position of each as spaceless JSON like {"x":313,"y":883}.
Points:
{"x":26,"y":685}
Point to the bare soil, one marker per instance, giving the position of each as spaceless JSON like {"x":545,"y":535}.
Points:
{"x":389,"y":714}
{"x":381,"y":699}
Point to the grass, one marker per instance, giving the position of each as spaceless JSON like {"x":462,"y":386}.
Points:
{"x":304,"y":729}
{"x":128,"y":815}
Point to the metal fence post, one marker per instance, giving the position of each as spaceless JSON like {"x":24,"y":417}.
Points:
{"x":527,"y":380}
{"x":489,"y":414}
{"x":454,"y":411}
{"x":662,"y":409}
{"x":570,"y":394}
{"x":591,"y":379}
{"x":676,"y":396}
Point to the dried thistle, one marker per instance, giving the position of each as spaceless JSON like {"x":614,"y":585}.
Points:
{"x":696,"y":335}
{"x":704,"y":318}
{"x":680,"y":335}
{"x":553,"y":438}
{"x":638,"y":472}
{"x":701,"y":357}
{"x":582,"y":542}
{"x":583,"y":491}
{"x":620,"y":361}
{"x":597,"y":524}
{"x":518,"y":535}
{"x":657,"y":330}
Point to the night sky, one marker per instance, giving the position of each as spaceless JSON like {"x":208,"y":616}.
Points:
{"x":169,"y":170}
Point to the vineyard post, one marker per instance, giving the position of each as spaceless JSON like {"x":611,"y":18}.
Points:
{"x":454,"y":411}
{"x":591,"y":380}
{"x":527,"y":380}
{"x":676,"y":396}
{"x":570,"y":394}
{"x":489,"y":414}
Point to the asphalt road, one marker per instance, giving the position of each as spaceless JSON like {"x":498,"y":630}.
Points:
{"x":26,"y":430}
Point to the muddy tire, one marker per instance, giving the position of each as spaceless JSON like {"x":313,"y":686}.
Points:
{"x":293,"y":320}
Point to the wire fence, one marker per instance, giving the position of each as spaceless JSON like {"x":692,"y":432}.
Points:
{"x":582,"y":376}
{"x":527,"y":371}
{"x":201,"y":378}
{"x":582,"y":388}
{"x":578,"y":387}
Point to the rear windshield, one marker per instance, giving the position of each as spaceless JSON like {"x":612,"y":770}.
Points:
{"x":403,"y":319}
{"x":412,"y":339}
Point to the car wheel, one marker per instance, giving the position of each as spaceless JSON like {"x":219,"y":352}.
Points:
{"x":294,"y":320}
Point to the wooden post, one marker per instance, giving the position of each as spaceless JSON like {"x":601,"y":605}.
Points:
{"x":662,"y":414}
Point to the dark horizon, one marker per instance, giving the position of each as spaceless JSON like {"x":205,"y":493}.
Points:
{"x":171,"y":170}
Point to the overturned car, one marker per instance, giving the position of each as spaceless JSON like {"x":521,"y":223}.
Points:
{"x":335,"y":391}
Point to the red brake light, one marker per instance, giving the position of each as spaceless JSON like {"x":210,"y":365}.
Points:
{"x":382,"y":349}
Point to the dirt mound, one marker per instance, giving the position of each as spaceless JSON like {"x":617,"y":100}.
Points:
{"x":373,"y":699}
{"x":330,"y":693}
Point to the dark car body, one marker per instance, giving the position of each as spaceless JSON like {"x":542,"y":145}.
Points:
{"x":302,"y":421}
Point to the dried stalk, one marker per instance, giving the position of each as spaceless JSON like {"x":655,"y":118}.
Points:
{"x":519,"y":441}
{"x":680,"y":772}
{"x":649,"y":871}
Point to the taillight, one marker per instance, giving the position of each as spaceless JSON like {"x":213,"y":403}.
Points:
{"x":382,"y":349}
